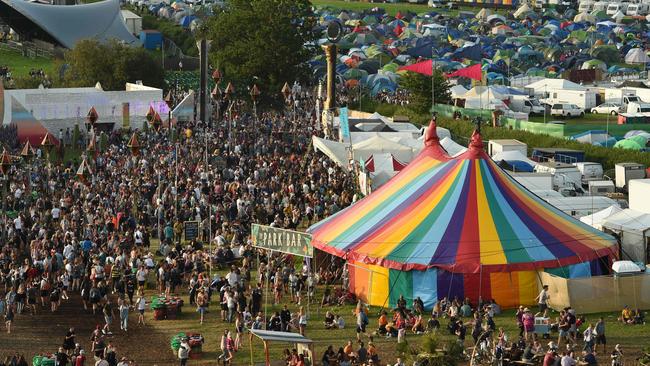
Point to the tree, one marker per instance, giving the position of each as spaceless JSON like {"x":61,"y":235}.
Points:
{"x":112,"y":64}
{"x":419,"y":88}
{"x":264,"y":39}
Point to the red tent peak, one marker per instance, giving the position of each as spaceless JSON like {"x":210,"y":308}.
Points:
{"x":431,"y":136}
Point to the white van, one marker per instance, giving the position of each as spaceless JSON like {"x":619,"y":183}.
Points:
{"x":637,"y":9}
{"x":586,"y":7}
{"x":590,"y":171}
{"x":600,"y":6}
{"x":614,"y":8}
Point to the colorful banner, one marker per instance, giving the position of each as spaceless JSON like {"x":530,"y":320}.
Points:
{"x":344,"y":124}
{"x":126,"y":117}
{"x":282,"y":240}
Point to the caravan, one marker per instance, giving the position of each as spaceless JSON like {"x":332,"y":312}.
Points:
{"x":616,"y":7}
{"x":638,"y":9}
{"x":564,"y":175}
{"x":590,"y":171}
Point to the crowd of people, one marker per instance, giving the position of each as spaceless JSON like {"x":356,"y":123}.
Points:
{"x":88,"y":239}
{"x":91,"y":236}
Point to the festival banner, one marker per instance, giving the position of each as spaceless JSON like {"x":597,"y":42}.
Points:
{"x":282,"y":240}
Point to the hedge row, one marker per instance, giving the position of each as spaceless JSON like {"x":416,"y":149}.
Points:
{"x":462,"y":130}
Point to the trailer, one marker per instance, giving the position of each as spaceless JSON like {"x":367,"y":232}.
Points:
{"x":601,"y":187}
{"x":497,"y":146}
{"x":639,"y":193}
{"x":590,"y":171}
{"x":626,"y":171}
{"x":564,"y":175}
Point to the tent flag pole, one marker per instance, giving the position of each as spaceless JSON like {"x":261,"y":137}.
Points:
{"x":433,"y":84}
{"x":480,"y":283}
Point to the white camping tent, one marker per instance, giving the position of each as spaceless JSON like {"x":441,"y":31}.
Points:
{"x":453,"y":149}
{"x":636,"y":56}
{"x":597,"y":218}
{"x":633,"y":228}
{"x":522,"y":11}
{"x":457,"y":91}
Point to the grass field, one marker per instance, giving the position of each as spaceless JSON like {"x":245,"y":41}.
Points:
{"x":150,"y":345}
{"x":20,"y":65}
{"x":632,"y":337}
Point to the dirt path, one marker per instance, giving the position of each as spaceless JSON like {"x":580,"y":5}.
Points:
{"x":44,"y":333}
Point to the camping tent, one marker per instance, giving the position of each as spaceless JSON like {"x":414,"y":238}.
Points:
{"x":458,"y":227}
{"x":636,"y":56}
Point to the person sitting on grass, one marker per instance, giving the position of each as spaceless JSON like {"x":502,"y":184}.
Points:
{"x":329,"y":321}
{"x":433,"y":324}
{"x":639,"y":317}
{"x":466,"y":309}
{"x":626,"y":315}
{"x":418,"y":325}
{"x":339,"y":321}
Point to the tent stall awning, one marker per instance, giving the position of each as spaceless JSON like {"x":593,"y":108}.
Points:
{"x":269,"y":335}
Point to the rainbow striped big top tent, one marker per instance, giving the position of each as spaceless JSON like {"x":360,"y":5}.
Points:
{"x":458,"y":227}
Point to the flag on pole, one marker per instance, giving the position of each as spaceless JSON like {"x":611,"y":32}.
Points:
{"x":473,"y":72}
{"x":423,"y":67}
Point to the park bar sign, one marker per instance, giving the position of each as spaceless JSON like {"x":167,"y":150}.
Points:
{"x":281,"y":240}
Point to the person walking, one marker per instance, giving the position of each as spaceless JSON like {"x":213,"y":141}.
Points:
{"x":201,"y":303}
{"x":183,"y":352}
{"x":124,"y":315}
{"x":141,"y":306}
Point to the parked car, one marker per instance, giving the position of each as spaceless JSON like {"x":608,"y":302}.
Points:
{"x":607,"y":108}
{"x":566,"y":110}
{"x":435,"y":3}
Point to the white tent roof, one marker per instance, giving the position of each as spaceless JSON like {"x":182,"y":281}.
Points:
{"x":551,"y":84}
{"x":636,"y":56}
{"x":383,"y":162}
{"x":457,"y":91}
{"x":334,"y":150}
{"x":628,"y":220}
{"x":513,"y":155}
{"x":452,"y":148}
{"x":597,"y":218}
{"x":377,"y":145}
{"x":584,"y":17}
{"x":619,"y":15}
{"x":69,"y":24}
{"x":522,"y":11}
